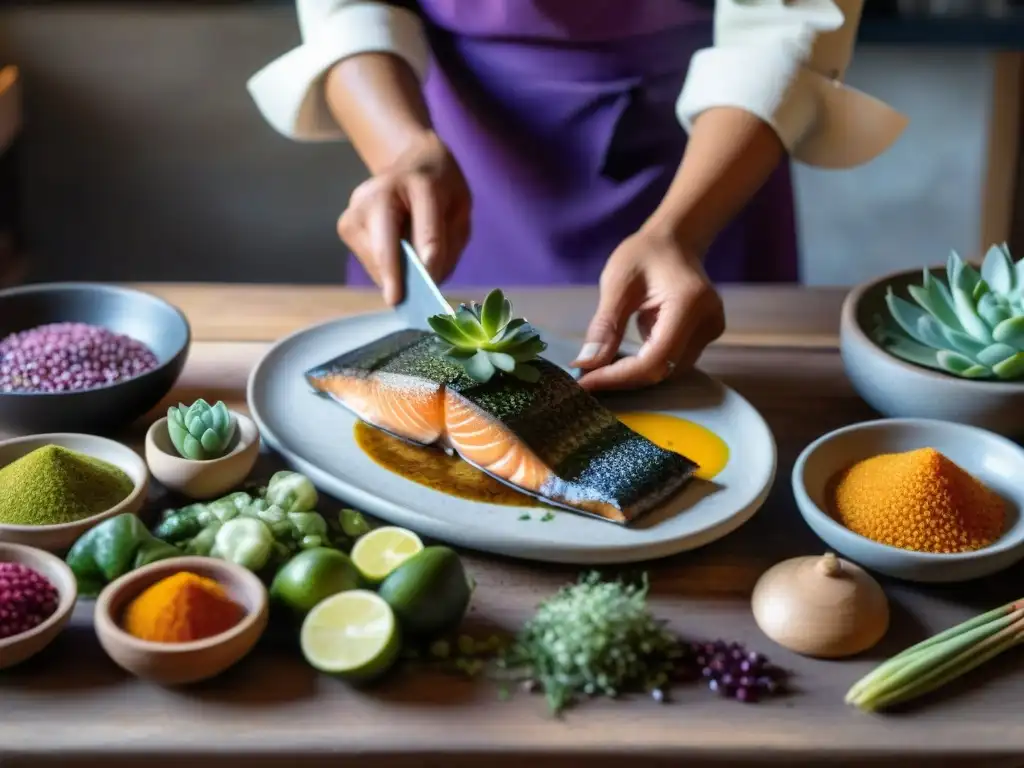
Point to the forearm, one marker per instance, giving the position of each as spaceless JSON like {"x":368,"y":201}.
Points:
{"x":376,"y":99}
{"x":729,"y":156}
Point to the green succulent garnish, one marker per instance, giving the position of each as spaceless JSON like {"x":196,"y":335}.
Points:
{"x":200,"y":431}
{"x":971,"y":326}
{"x":486,"y":338}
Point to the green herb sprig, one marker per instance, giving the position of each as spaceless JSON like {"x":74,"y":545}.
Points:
{"x":485,"y":339}
{"x":594,"y":637}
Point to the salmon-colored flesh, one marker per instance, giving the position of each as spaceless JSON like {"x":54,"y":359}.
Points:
{"x":415,"y":412}
{"x":485,"y":442}
{"x":430,"y":415}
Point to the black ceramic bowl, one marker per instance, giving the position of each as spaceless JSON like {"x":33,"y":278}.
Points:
{"x":154,"y":322}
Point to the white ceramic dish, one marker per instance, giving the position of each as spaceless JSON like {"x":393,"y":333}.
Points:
{"x":994,"y":460}
{"x":57,"y":538}
{"x":314,"y":435}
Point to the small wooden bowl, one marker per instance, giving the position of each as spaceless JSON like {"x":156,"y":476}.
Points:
{"x":181,"y":663}
{"x":203,"y":479}
{"x":14,"y":650}
{"x":59,"y":538}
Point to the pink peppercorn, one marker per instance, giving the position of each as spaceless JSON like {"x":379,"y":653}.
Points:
{"x":27,"y":599}
{"x":67,"y":357}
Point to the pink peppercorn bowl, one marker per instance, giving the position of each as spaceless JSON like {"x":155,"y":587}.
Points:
{"x":58,"y":538}
{"x":130,"y":345}
{"x":18,"y":648}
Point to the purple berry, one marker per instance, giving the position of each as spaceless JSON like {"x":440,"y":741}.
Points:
{"x":27,"y":599}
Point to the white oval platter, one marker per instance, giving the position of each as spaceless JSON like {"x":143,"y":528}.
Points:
{"x":315,"y":437}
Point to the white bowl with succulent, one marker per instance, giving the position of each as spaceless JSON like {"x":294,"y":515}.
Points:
{"x":202,"y":451}
{"x":946,"y":344}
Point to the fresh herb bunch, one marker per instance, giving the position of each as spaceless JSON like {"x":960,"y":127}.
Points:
{"x":595,"y":637}
{"x":486,"y":338}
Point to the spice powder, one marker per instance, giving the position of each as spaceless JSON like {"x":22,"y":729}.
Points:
{"x":918,"y":500}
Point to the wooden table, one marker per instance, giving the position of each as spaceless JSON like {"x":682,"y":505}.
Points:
{"x":72,"y":707}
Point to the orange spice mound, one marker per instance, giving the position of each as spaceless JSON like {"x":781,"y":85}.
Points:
{"x":918,"y":500}
{"x":180,"y":609}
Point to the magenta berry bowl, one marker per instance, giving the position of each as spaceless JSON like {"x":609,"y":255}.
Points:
{"x":27,"y":599}
{"x":85,"y":357}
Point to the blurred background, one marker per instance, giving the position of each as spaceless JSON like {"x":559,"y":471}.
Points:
{"x":131,"y":151}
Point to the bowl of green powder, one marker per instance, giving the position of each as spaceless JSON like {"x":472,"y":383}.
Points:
{"x":55,"y":487}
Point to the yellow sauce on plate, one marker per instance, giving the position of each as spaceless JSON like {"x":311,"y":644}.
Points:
{"x":433,"y":468}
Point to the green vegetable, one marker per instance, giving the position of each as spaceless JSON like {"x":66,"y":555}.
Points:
{"x":594,"y":637}
{"x":353,"y":524}
{"x":292,"y":492}
{"x":245,"y":541}
{"x":485,"y":339}
{"x":200,"y":431}
{"x":112,"y":549}
{"x":202,"y":543}
{"x":230,"y":506}
{"x":429,"y":592}
{"x":971,"y":325}
{"x":180,"y":525}
{"x":932,"y":663}
{"x":53,"y":485}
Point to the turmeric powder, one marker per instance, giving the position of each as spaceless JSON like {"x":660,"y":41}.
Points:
{"x":181,"y":608}
{"x":917,"y":500}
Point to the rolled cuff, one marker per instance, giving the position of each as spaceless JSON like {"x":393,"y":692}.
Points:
{"x":820,"y":121}
{"x":289,"y":91}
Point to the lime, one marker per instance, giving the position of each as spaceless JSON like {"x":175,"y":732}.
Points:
{"x":311,"y":576}
{"x":351,"y":634}
{"x":429,"y":592}
{"x":382,"y":550}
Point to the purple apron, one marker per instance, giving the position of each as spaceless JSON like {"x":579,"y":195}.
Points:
{"x":561,"y":114}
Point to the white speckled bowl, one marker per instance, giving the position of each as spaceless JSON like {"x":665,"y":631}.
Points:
{"x":898,"y":389}
{"x":994,"y":460}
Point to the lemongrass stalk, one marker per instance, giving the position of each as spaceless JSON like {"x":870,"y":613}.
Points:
{"x":952,"y":669}
{"x":921,"y":662}
{"x":905,"y":656}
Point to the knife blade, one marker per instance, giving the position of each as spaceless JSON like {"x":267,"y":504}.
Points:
{"x":421,"y":298}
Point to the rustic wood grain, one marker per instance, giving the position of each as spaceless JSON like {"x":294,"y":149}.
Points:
{"x":72,"y":707}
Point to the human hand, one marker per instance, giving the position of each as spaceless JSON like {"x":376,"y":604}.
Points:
{"x":422,"y":191}
{"x":678,"y":314}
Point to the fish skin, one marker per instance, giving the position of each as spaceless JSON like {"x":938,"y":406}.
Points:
{"x":596,"y":463}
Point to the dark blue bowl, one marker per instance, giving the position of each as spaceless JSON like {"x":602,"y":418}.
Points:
{"x":102,"y":410}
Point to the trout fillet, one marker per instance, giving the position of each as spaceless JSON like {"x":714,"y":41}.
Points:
{"x":550,"y":439}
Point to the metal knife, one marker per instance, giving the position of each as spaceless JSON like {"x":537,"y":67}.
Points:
{"x":422,"y":298}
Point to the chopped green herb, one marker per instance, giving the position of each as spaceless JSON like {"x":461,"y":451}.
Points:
{"x":525,"y":516}
{"x":548,"y":516}
{"x":594,"y":638}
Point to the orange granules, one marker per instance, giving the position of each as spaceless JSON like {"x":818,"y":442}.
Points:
{"x":917,"y":500}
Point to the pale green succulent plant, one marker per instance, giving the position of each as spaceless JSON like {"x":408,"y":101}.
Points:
{"x":485,"y":339}
{"x":970,"y":326}
{"x":201,"y":431}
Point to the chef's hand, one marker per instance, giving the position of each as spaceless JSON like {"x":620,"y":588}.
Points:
{"x":424,"y":192}
{"x":678,"y":314}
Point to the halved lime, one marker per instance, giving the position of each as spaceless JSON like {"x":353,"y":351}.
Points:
{"x":351,"y":634}
{"x":382,"y":550}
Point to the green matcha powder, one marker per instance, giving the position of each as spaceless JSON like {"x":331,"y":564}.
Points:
{"x":53,"y":485}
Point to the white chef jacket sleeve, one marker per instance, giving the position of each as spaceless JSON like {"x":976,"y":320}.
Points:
{"x":289,"y":91}
{"x":784,"y":61}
